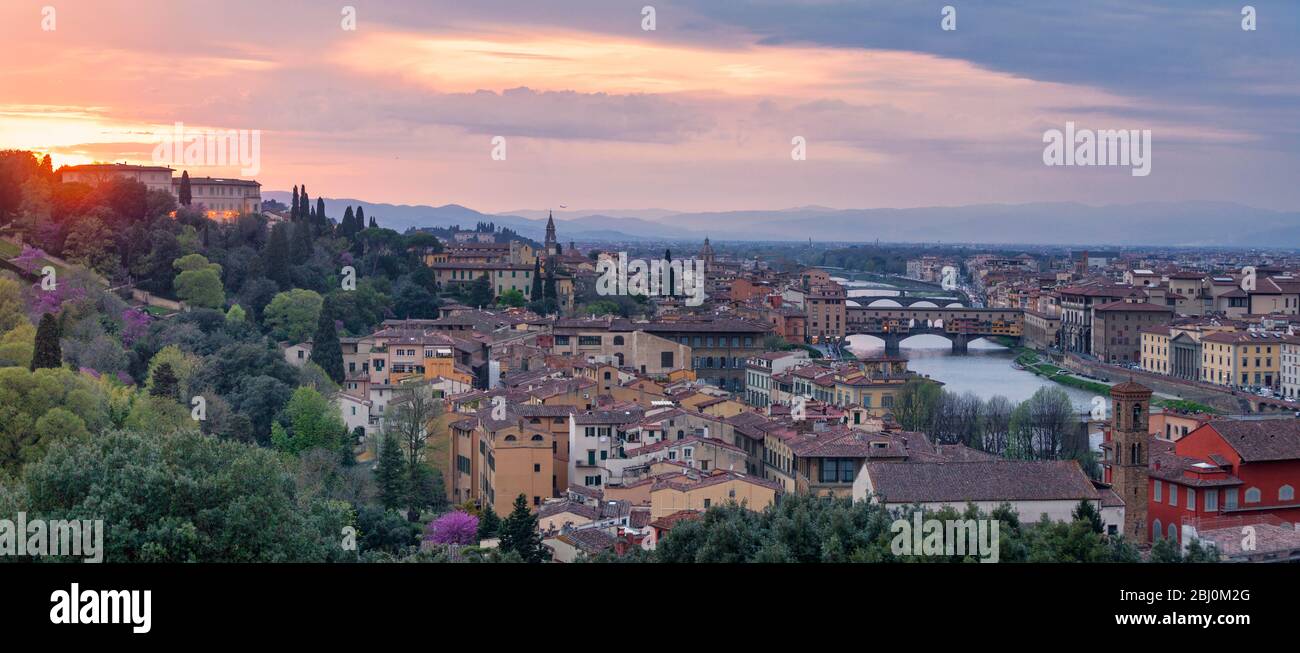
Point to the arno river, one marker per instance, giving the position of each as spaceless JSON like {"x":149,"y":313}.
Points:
{"x":986,"y":370}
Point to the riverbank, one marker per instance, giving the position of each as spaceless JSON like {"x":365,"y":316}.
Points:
{"x":1033,"y":362}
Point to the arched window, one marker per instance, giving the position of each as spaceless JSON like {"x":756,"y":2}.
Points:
{"x":1137,"y":415}
{"x":510,"y":438}
{"x":1286,"y":493}
{"x":1173,"y":532}
{"x":618,"y":340}
{"x":1252,"y":495}
{"x":1156,"y":533}
{"x":537,"y":438}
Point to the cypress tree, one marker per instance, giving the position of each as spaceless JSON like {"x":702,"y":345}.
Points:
{"x":48,"y":352}
{"x":325,"y":348}
{"x":390,"y":473}
{"x":277,"y":255}
{"x":346,"y":228}
{"x":301,"y":247}
{"x":321,"y":220}
{"x":537,"y":279}
{"x":548,"y":290}
{"x":361,"y":219}
{"x":304,"y":205}
{"x":373,"y":224}
{"x":293,"y":210}
{"x":186,"y":194}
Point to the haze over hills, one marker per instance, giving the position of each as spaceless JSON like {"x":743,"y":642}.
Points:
{"x":1194,"y":223}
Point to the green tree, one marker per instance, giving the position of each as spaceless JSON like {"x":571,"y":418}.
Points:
{"x":184,"y":497}
{"x":310,"y":422}
{"x":390,"y":473}
{"x":536,"y":293}
{"x":512,"y":298}
{"x":276,"y":256}
{"x":489,"y":524}
{"x":165,"y":383}
{"x":199,"y":282}
{"x":519,"y":533}
{"x":325,"y":348}
{"x":47,"y":352}
{"x":236,"y":315}
{"x":293,"y":315}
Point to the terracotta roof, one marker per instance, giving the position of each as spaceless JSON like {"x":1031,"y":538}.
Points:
{"x":1001,"y":480}
{"x":1261,"y":440}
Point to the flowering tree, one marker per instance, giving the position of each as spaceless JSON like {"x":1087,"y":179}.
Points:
{"x":453,"y":528}
{"x":135,"y":323}
{"x":30,"y":259}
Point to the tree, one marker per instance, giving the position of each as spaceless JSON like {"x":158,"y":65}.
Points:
{"x":236,"y":315}
{"x":519,"y":533}
{"x":293,"y":209}
{"x":199,"y":282}
{"x":165,"y":383}
{"x":276,"y":256}
{"x":1087,"y":512}
{"x":536,"y":293}
{"x":512,"y":298}
{"x":915,"y":404}
{"x":454,"y":527}
{"x":480,"y":292}
{"x":412,"y":412}
{"x":185,"y":194}
{"x":301,"y":246}
{"x":346,"y":228}
{"x":184,"y":497}
{"x":489,"y":524}
{"x":311,"y":422}
{"x":293,"y":315}
{"x":390,"y":473}
{"x":325,"y":348}
{"x":47,"y":352}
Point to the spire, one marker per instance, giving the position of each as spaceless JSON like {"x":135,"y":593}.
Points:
{"x":552,"y":245}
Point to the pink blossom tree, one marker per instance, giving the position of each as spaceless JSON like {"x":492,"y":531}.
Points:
{"x":453,"y":528}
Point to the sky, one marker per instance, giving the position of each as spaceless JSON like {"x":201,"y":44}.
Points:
{"x":698,"y":114}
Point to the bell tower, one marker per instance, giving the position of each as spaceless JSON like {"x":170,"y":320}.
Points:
{"x":1130,"y":448}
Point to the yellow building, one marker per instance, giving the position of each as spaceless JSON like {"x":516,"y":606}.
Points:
{"x":693,"y":490}
{"x":1155,"y":350}
{"x":1241,"y":359}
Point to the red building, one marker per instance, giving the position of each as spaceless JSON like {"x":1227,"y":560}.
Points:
{"x":1226,"y":471}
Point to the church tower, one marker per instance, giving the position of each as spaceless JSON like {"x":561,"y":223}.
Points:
{"x":1130,"y":447}
{"x":552,"y":245}
{"x":706,"y":254}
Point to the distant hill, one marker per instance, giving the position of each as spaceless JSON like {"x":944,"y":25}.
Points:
{"x":1049,"y":223}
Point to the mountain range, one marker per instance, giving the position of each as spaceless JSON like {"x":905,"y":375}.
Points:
{"x":1192,"y":223}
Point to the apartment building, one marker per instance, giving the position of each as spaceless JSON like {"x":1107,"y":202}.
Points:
{"x":1117,"y":328}
{"x":1241,"y":358}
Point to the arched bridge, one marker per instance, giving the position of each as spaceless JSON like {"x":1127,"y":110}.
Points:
{"x":960,"y":325}
{"x":907,"y":301}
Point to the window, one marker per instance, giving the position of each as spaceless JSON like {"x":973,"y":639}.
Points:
{"x":1157,"y":488}
{"x":1191,"y":499}
{"x":1230,"y":499}
{"x":837,"y":470}
{"x":536,"y":468}
{"x":1286,"y":493}
{"x":1156,"y":533}
{"x":1252,"y":495}
{"x":588,"y":341}
{"x":707,"y":503}
{"x":666,"y":360}
{"x":1173,"y":532}
{"x":1173,"y":494}
{"x":618,"y":340}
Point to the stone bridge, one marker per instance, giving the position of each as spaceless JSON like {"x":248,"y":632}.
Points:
{"x":959,"y":325}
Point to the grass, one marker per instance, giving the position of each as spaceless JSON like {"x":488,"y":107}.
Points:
{"x":9,"y":250}
{"x":1029,"y":358}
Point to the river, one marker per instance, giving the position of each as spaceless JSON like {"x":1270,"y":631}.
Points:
{"x":985,"y":370}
